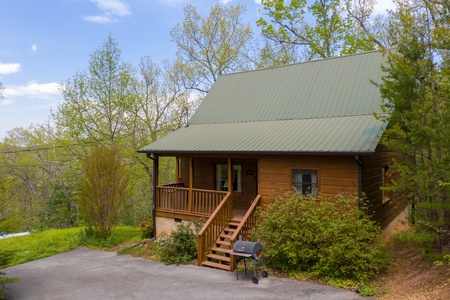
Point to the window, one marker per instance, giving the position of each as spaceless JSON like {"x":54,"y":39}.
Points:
{"x":386,"y":177}
{"x":222,"y":177}
{"x":305,"y":181}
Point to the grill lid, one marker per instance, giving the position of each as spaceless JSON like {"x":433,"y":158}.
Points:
{"x":247,"y":247}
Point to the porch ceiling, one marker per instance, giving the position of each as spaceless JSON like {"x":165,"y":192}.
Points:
{"x":334,"y":135}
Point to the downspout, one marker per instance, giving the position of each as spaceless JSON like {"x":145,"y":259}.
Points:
{"x":154,"y":183}
{"x":360,"y":180}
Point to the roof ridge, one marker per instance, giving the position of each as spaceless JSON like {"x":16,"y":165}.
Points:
{"x":303,"y":62}
{"x":291,"y":119}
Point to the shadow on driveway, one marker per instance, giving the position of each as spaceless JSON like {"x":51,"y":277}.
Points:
{"x":91,"y":274}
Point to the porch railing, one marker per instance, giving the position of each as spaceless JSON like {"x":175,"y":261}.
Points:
{"x":214,"y":227}
{"x":245,"y":227}
{"x":175,"y":198}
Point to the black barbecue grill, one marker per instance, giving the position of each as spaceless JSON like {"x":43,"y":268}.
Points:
{"x":254,"y":250}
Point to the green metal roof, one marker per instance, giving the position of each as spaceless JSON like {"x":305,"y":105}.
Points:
{"x":354,"y":134}
{"x":323,"y":106}
{"x":324,"y":88}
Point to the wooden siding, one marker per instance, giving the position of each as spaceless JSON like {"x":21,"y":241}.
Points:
{"x":204,"y":177}
{"x":268,"y":174}
{"x":383,"y":213}
{"x":336,"y":174}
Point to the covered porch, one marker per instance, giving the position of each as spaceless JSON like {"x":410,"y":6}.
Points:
{"x":226,"y":213}
{"x":201,"y":183}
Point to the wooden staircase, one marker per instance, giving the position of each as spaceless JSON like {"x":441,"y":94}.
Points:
{"x":219,"y":256}
{"x":215,"y":243}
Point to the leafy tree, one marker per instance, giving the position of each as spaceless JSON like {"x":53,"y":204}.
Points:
{"x":115,"y":103}
{"x":266,"y":53}
{"x":32,"y":167}
{"x":332,"y":31}
{"x":60,"y":210}
{"x":159,"y":102}
{"x":158,"y":106}
{"x":417,"y":92}
{"x":96,"y":102}
{"x":103,"y":187}
{"x":211,"y":46}
{"x":372,"y":31}
{"x":10,"y":218}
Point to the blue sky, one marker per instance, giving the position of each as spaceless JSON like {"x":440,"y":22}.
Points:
{"x":45,"y":42}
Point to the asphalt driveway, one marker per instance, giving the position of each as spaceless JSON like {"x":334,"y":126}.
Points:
{"x":90,"y":274}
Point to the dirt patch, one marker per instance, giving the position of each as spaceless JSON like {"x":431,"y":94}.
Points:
{"x":411,"y":276}
{"x":143,"y":249}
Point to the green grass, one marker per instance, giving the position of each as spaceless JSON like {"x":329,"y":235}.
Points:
{"x":123,"y":234}
{"x":51,"y":242}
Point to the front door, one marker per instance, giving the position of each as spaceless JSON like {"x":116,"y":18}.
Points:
{"x":244,"y":181}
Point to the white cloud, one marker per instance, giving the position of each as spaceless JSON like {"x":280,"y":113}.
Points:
{"x":32,"y":88}
{"x":112,"y":9}
{"x":115,"y":7}
{"x":34,"y":48}
{"x":258,"y":1}
{"x":225,"y":1}
{"x":99,"y":19}
{"x":10,"y":68}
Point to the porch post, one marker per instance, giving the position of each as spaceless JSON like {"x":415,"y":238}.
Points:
{"x":155,"y":182}
{"x":230,"y":188}
{"x":191,"y":184}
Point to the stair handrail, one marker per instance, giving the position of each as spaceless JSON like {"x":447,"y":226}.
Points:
{"x":249,"y":214}
{"x":202,"y":249}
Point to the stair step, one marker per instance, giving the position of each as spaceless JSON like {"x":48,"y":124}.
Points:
{"x":218,"y":257}
{"x":229,"y":230}
{"x":215,"y":265}
{"x":220,"y":250}
{"x":225,"y":236}
{"x":234,"y":223}
{"x":225,"y":243}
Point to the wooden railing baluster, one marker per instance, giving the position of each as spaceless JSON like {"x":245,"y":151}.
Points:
{"x":213,"y":227}
{"x":244,"y":229}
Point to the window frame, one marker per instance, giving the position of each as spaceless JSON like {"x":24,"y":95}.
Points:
{"x":237,"y":177}
{"x":295,"y":184}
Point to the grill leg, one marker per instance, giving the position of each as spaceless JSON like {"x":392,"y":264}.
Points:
{"x":245,"y":266}
{"x":237,"y":269}
{"x":264,"y":273}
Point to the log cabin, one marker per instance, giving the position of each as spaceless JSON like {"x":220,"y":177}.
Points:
{"x":308,"y":126}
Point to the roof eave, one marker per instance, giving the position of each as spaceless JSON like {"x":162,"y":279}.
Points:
{"x":310,"y":153}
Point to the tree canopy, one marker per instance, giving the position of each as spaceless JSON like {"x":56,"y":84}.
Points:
{"x":211,"y":46}
{"x":417,"y":93}
{"x":320,"y":29}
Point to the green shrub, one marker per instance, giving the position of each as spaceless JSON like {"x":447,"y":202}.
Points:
{"x":181,"y":247}
{"x":146,"y":228}
{"x":103,"y":187}
{"x":5,"y":257}
{"x":328,"y":238}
